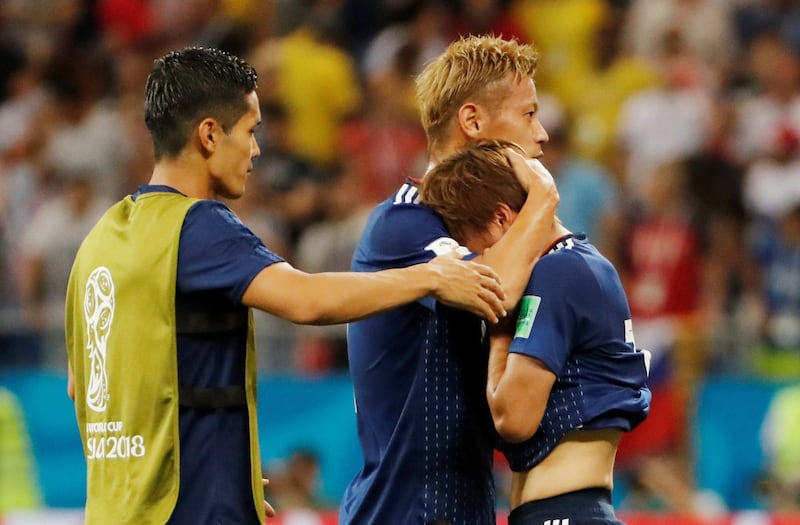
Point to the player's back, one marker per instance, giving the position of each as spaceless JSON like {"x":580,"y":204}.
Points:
{"x":419,"y":375}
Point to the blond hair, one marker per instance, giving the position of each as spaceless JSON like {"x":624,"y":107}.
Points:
{"x":468,"y":69}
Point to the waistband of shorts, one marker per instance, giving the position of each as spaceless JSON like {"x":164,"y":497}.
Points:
{"x":584,"y":498}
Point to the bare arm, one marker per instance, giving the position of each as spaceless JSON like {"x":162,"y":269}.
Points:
{"x":514,"y":255}
{"x":339,"y":297}
{"x":517,"y":389}
{"x":70,"y":382}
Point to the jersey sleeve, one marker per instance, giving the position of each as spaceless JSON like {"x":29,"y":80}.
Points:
{"x":546,"y":323}
{"x":218,"y":252}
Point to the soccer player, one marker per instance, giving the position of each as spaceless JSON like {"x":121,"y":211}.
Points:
{"x":419,"y":371}
{"x":158,"y":325}
{"x":568,"y":380}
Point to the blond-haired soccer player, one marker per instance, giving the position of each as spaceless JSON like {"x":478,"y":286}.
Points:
{"x":419,"y":371}
{"x":567,"y":380}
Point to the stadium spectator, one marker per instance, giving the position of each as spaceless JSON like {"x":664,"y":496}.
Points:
{"x":781,"y":483}
{"x":19,"y":489}
{"x":776,"y":248}
{"x":589,"y":196}
{"x":315,"y":80}
{"x":595,"y":95}
{"x":770,"y":104}
{"x":48,"y":247}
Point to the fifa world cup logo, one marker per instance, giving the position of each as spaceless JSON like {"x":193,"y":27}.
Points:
{"x":98,"y":307}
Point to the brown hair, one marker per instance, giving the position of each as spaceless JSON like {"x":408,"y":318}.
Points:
{"x":470,"y":68}
{"x":466,"y":188}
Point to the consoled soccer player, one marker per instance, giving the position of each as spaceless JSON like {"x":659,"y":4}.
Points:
{"x":419,"y":371}
{"x":158,"y":326}
{"x":568,"y":379}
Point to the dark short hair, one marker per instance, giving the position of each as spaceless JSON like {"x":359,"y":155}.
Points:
{"x":189,"y":85}
{"x":466,"y":188}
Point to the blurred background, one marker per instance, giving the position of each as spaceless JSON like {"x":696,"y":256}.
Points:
{"x":674,"y":140}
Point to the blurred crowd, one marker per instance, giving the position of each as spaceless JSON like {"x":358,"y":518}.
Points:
{"x":674,"y":140}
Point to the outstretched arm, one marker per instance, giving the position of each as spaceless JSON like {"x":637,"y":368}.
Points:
{"x":514,"y":255}
{"x":340,"y":297}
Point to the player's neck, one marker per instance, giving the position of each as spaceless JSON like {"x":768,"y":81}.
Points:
{"x":559,"y":232}
{"x":184,"y":174}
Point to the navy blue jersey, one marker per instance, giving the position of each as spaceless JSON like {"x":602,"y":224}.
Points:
{"x":575,"y":318}
{"x":419,"y":375}
{"x":218,"y":257}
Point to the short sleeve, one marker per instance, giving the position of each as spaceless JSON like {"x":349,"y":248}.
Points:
{"x":218,"y":252}
{"x":546,"y":322}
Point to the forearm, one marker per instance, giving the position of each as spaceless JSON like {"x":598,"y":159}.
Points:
{"x":336,"y":297}
{"x":514,"y":255}
{"x":498,"y":358}
{"x":342,"y":297}
{"x":517,"y":390}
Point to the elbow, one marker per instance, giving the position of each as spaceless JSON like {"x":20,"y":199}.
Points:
{"x":306,"y":316}
{"x":512,"y":432}
{"x":514,"y":428}
{"x":308,"y":313}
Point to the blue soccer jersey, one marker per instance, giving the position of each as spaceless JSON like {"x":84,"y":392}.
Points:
{"x":574,"y":317}
{"x":218,"y":257}
{"x":419,"y":375}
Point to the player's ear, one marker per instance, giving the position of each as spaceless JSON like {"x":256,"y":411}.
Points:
{"x":469,"y":120}
{"x":504,"y":216}
{"x":208,"y":134}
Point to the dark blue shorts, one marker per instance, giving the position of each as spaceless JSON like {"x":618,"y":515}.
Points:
{"x":582,"y":507}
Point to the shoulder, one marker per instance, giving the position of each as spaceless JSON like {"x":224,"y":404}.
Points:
{"x":568,"y":255}
{"x":212,"y":226}
{"x":570,"y":267}
{"x":211,"y":210}
{"x":212,"y":218}
{"x":402,"y":218}
{"x":400,"y":233}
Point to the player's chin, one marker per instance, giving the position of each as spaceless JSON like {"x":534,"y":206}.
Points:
{"x":233,"y":192}
{"x":241,"y":187}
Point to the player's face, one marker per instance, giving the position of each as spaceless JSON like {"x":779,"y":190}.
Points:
{"x":517,"y":119}
{"x":233,"y":159}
